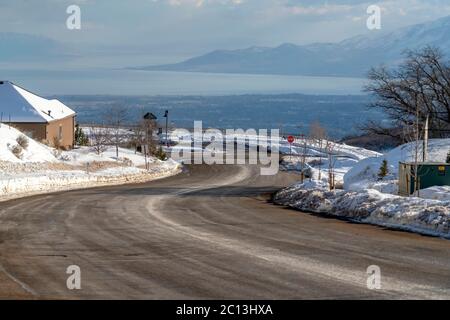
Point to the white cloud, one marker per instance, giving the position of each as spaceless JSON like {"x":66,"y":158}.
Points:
{"x":192,"y":27}
{"x":200,"y":3}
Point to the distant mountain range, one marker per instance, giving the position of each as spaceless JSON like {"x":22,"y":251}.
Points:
{"x":351,"y":57}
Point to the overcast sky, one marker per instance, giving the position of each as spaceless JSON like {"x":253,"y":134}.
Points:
{"x":169,"y":29}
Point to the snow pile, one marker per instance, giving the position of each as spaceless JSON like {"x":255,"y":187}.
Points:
{"x":425,"y":216}
{"x":436,"y":193}
{"x":364,"y":174}
{"x":35,"y":152}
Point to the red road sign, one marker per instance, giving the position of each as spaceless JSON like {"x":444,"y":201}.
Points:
{"x":291,"y":139}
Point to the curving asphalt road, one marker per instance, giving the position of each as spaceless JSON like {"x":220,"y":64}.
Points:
{"x":206,"y":233}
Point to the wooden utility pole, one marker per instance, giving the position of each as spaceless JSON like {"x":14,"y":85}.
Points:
{"x":416,"y":153}
{"x":320,"y":159}
{"x":303,"y":157}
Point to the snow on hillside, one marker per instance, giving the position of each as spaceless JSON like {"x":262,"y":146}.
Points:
{"x":364,"y":175}
{"x":314,"y":148}
{"x":84,"y":155}
{"x":345,"y":157}
{"x":36,"y":152}
{"x":40,"y":169}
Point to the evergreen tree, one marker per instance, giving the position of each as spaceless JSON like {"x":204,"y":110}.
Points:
{"x":384,"y":170}
{"x":160,"y":154}
{"x":80,"y":138}
{"x":448,"y":157}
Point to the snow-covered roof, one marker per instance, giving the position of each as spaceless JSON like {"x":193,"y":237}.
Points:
{"x":23,"y":106}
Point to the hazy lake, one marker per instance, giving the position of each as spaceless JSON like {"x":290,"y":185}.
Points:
{"x":291,"y":113}
{"x":134,"y":82}
{"x":219,"y":100}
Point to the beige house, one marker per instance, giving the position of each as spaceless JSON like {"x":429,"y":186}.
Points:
{"x":47,"y":121}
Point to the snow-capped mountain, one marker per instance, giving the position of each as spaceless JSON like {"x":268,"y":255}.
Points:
{"x":351,"y":57}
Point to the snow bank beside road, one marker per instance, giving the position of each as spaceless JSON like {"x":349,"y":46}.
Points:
{"x":436,"y":193}
{"x":368,"y":199}
{"x":425,"y":216}
{"x":45,"y":181}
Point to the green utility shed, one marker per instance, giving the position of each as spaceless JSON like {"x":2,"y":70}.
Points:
{"x":429,"y":174}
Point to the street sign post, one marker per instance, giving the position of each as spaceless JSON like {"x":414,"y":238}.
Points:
{"x":291,"y":140}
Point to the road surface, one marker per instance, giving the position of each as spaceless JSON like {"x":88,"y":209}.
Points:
{"x":206,"y":233}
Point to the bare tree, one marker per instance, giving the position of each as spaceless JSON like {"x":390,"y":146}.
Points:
{"x":98,"y":138}
{"x":137,"y":137}
{"x":411,"y":135}
{"x":330,"y":146}
{"x":144,"y":138}
{"x":418,"y":88}
{"x":316,"y":131}
{"x":149,"y":126}
{"x":116,"y":118}
{"x":318,"y":134}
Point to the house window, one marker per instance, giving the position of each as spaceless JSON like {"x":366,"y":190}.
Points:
{"x":29,"y":134}
{"x":60,"y":133}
